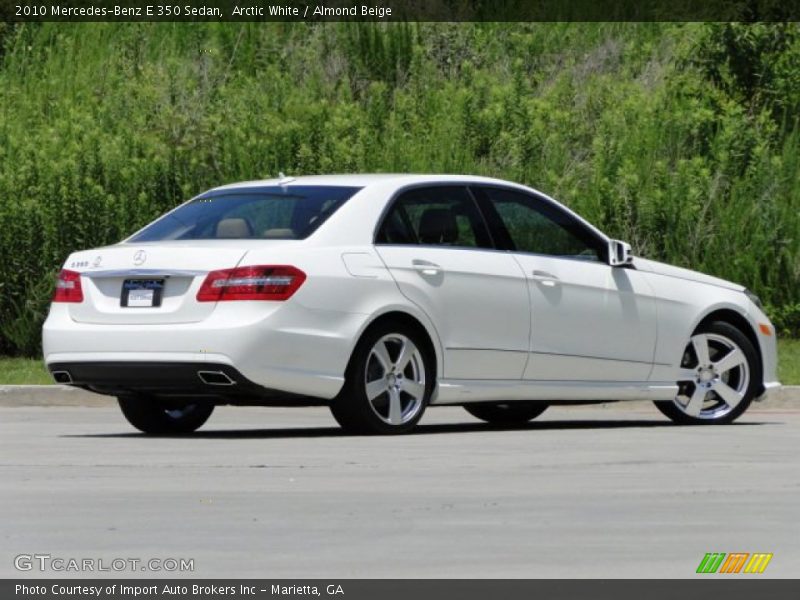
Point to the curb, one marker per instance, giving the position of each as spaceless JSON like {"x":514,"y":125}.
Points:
{"x":63,"y":395}
{"x":49,"y":395}
{"x":788,"y":396}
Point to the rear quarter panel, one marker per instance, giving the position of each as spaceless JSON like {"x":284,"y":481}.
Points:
{"x":347,"y":287}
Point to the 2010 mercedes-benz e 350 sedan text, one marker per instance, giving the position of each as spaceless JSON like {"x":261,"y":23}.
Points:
{"x":379,"y":295}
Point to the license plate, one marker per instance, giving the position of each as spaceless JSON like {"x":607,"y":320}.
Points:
{"x":142,"y":293}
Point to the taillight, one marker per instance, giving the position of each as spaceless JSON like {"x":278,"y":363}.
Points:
{"x":270,"y":282}
{"x":68,"y":287}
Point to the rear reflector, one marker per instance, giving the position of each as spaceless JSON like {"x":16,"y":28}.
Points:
{"x":265,"y":282}
{"x":68,"y":287}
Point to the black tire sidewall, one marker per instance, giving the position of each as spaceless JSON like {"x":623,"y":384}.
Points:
{"x":149,"y":416}
{"x":506,"y":413}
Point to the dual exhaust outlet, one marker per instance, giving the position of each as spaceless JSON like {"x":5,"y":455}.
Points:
{"x":62,"y":377}
{"x":215,"y":378}
{"x":207,"y":377}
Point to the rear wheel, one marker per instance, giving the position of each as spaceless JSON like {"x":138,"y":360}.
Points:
{"x":506,"y":413}
{"x":153,"y":416}
{"x":719,"y":377}
{"x":388,"y":382}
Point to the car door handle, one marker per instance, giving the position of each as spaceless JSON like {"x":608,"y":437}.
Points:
{"x":425,"y":267}
{"x":545,"y":278}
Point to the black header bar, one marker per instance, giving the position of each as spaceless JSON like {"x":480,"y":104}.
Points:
{"x":701,"y":588}
{"x":400,"y":10}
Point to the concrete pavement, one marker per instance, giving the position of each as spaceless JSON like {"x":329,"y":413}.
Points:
{"x":275,"y":492}
{"x":64,"y":395}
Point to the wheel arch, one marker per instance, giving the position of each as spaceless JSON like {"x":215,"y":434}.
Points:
{"x":405,"y":317}
{"x":738,"y":320}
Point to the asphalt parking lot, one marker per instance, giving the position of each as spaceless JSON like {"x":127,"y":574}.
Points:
{"x":271,"y":492}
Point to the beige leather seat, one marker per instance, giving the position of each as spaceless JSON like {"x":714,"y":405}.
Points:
{"x":278,"y":234}
{"x":234,"y":229}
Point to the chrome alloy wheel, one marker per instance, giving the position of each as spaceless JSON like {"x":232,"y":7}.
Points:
{"x":394,"y":379}
{"x":714,"y":377}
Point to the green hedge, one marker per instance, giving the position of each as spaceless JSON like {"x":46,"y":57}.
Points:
{"x":680,"y":138}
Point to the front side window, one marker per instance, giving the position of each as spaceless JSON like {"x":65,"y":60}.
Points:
{"x":435,"y":216}
{"x":530,"y":224}
{"x":276,"y":213}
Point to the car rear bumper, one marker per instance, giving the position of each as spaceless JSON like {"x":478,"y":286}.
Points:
{"x":295,"y":350}
{"x":217,"y":382}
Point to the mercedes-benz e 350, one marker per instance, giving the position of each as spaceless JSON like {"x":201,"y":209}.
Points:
{"x":381,"y":295}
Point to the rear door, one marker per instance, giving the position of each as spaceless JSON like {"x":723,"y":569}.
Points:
{"x":437,"y":247}
{"x":590,"y":321}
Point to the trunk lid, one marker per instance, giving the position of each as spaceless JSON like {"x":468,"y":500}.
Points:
{"x":175,"y":269}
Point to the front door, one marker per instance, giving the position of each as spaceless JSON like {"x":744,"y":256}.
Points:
{"x":590,"y":321}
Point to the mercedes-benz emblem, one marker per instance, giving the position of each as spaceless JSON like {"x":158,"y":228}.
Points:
{"x":139,"y":257}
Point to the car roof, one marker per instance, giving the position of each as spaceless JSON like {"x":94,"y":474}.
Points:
{"x":363,"y":180}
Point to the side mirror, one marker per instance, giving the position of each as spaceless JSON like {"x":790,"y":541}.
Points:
{"x":619,"y":253}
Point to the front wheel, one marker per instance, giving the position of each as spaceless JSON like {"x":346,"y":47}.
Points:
{"x":506,"y":413}
{"x":388,"y":382}
{"x":155,"y":417}
{"x":719,"y":377}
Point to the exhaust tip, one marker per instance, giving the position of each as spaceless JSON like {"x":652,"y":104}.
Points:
{"x":62,"y":376}
{"x":215,"y":378}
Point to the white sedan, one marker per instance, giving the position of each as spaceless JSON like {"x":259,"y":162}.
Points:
{"x":379,"y":295}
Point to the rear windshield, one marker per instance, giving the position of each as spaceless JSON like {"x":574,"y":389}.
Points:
{"x":269,"y":213}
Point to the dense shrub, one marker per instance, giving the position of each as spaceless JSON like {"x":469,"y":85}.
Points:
{"x":786,"y":319}
{"x":681,"y":138}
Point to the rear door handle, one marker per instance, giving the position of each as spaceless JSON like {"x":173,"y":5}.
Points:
{"x":426,"y":267}
{"x":545,"y":278}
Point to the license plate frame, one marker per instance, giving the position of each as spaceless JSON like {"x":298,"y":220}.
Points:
{"x":147,"y":293}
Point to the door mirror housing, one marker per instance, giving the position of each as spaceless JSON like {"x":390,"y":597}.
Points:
{"x":619,"y":253}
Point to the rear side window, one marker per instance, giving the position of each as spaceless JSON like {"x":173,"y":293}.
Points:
{"x":274,"y":213}
{"x":435,"y":216}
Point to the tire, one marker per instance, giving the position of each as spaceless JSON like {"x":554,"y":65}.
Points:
{"x":154,"y":417}
{"x":506,"y":414}
{"x":720,"y":375}
{"x":380,"y":395}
